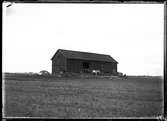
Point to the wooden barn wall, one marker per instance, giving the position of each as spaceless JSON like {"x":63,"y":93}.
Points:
{"x":105,"y":67}
{"x":58,"y":63}
{"x":74,"y":65}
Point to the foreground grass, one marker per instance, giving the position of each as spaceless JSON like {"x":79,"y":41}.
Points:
{"x":80,"y":98}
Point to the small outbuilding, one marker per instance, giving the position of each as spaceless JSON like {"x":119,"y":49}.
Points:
{"x":82,"y":62}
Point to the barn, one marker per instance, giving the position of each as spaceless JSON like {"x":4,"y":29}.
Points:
{"x":82,"y":62}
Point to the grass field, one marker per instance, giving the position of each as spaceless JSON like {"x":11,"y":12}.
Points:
{"x":27,"y":96}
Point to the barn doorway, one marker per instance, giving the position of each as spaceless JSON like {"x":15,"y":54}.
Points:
{"x":85,"y":66}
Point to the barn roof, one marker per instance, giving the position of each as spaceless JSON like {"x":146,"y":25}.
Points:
{"x":85,"y":56}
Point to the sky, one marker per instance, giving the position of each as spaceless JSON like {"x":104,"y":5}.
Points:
{"x":131,"y":33}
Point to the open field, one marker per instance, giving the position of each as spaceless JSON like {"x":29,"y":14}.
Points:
{"x":28,"y":96}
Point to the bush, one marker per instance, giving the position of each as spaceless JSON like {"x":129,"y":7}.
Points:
{"x":44,"y":72}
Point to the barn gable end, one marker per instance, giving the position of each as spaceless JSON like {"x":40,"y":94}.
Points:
{"x":58,"y":63}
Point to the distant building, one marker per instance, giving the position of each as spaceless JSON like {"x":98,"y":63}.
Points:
{"x":82,"y":62}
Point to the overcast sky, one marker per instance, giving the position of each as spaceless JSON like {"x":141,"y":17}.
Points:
{"x":131,"y":33}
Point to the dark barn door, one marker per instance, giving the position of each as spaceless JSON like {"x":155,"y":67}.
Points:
{"x":85,"y":66}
